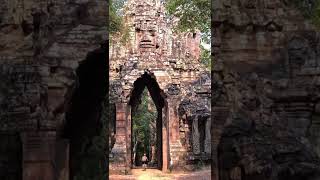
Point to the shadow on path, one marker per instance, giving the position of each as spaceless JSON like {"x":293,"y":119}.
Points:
{"x":155,"y":174}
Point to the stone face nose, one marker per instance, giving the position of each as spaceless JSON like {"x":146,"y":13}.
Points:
{"x":146,"y":37}
{"x":146,"y":40}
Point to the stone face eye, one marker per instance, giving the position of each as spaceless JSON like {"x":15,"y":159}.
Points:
{"x":152,"y":33}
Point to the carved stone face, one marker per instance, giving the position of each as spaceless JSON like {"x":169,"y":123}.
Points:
{"x":147,"y":39}
{"x":146,"y":34}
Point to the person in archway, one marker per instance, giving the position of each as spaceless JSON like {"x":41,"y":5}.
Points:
{"x":144,"y":161}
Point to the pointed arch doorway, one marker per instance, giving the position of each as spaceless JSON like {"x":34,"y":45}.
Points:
{"x":148,"y":81}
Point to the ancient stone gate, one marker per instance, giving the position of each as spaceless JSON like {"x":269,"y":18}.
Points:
{"x":168,"y":64}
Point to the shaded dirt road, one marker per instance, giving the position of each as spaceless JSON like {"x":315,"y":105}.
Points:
{"x":154,"y":174}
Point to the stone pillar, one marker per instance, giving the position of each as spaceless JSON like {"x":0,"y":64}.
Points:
{"x":207,"y":145}
{"x":62,"y":159}
{"x":128,"y":136}
{"x":195,"y":136}
{"x":39,"y":155}
{"x":119,"y":151}
{"x":173,"y":121}
{"x":165,"y":139}
{"x":176,"y":149}
{"x":153,"y":154}
{"x":159,"y":144}
{"x":220,"y":115}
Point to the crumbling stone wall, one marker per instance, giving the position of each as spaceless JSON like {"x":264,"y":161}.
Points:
{"x":266,"y":81}
{"x":195,"y":120}
{"x":41,"y":44}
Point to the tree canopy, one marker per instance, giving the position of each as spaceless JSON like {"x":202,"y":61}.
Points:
{"x":193,"y":15}
{"x":311,"y":9}
{"x":115,"y":15}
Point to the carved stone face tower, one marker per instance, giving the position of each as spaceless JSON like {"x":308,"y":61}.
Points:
{"x":147,"y":26}
{"x":166,"y":63}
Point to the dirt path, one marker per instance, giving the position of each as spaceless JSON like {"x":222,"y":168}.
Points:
{"x":154,"y":174}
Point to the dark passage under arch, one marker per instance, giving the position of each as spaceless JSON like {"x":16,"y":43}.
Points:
{"x":10,"y":156}
{"x":148,"y":81}
{"x":83,"y":118}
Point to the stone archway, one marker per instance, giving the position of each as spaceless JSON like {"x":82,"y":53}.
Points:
{"x":84,"y":115}
{"x":149,"y":82}
{"x":122,"y":150}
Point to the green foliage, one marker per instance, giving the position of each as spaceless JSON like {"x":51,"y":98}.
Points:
{"x":310,"y":9}
{"x":114,"y":19}
{"x":117,"y":25}
{"x":315,"y":15}
{"x":141,"y":122}
{"x":124,"y":34}
{"x":200,"y":164}
{"x":192,"y":14}
{"x":115,"y":15}
{"x":205,"y":57}
{"x":118,"y":6}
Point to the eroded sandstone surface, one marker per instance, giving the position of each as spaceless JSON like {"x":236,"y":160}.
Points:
{"x":265,"y":91}
{"x":41,"y":45}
